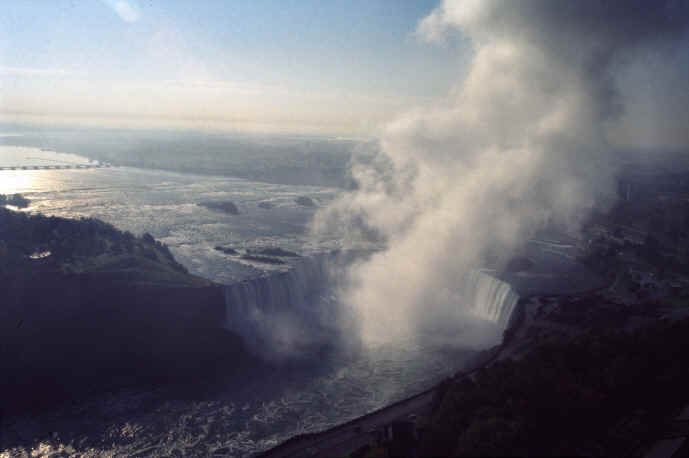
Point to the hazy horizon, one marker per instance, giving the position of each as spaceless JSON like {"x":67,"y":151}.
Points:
{"x":305,"y":211}
{"x":336,"y":68}
{"x":339,"y":68}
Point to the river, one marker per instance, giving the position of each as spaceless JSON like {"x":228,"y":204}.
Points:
{"x":243,"y":418}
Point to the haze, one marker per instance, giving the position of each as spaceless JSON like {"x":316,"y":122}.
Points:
{"x":337,"y":67}
{"x":230,"y":226}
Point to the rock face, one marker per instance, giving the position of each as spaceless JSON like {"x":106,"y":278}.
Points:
{"x":63,"y":335}
{"x":223,"y":206}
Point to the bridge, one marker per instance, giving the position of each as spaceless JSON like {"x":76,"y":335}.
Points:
{"x":56,"y":167}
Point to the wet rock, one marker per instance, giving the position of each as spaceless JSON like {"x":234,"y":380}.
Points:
{"x":227,"y":250}
{"x":272,"y":251}
{"x":222,"y":206}
{"x":305,"y":201}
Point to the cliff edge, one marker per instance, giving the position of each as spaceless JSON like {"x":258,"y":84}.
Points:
{"x":85,"y":307}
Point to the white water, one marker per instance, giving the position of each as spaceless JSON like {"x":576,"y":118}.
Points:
{"x":263,"y":410}
{"x":490,"y":298}
{"x":287,"y":313}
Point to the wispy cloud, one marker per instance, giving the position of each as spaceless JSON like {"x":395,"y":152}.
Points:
{"x":27,"y":71}
{"x":127,"y":10}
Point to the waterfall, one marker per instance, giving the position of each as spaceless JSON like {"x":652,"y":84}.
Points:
{"x":295,"y":313}
{"x":286,"y":313}
{"x":490,"y":298}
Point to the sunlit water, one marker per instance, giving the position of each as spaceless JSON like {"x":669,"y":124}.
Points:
{"x":246,"y":417}
{"x":165,"y":204}
{"x":26,"y":156}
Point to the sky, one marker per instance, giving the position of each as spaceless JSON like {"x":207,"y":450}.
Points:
{"x":342,"y":66}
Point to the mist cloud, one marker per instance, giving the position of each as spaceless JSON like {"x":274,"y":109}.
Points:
{"x":520,"y":143}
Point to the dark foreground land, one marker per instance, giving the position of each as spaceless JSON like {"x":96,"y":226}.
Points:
{"x":599,"y":392}
{"x":86,"y":308}
{"x":575,"y":376}
{"x":591,"y":373}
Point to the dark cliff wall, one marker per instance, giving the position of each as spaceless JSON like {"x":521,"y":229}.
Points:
{"x":62,"y":336}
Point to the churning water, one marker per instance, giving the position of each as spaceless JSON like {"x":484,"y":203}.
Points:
{"x":267,"y":407}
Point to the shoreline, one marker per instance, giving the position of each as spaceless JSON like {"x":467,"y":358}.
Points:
{"x":203,"y":321}
{"x":331,"y":438}
{"x":301,"y":444}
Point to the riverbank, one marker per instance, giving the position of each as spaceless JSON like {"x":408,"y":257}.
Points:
{"x":528,"y":329}
{"x":350,"y":436}
{"x":87,"y":308}
{"x":544,"y":325}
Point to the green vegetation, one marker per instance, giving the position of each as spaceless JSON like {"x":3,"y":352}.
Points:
{"x":85,"y":307}
{"x":605,"y":393}
{"x":16,"y":200}
{"x":31,"y":242}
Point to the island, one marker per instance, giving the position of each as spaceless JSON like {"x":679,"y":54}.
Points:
{"x":227,"y":250}
{"x":272,"y":251}
{"x":221,"y":206}
{"x":262,"y":259}
{"x":85,"y":308}
{"x":305,"y":201}
{"x":15,"y":200}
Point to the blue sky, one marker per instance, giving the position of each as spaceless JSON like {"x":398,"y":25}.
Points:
{"x":341,"y":66}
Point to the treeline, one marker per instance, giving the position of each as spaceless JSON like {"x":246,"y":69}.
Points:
{"x":22,"y":234}
{"x":16,"y":200}
{"x":603,"y":394}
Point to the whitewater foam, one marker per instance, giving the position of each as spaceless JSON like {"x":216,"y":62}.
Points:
{"x":287,"y":313}
{"x":490,"y":298}
{"x":294,"y":312}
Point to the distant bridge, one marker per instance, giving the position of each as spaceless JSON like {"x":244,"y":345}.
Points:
{"x":56,"y":167}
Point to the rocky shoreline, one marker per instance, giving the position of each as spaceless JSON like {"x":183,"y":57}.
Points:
{"x":101,"y":309}
{"x":519,"y":339}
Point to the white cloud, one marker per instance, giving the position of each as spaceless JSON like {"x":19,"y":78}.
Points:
{"x":128,"y":11}
{"x":519,"y":144}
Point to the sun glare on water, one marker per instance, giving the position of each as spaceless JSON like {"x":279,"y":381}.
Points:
{"x":17,"y":181}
